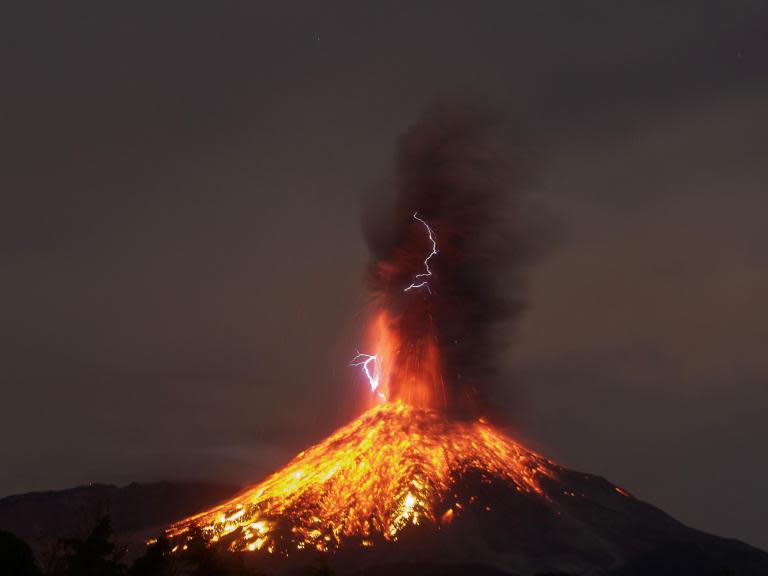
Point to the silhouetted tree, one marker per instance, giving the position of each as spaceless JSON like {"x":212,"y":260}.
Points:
{"x":16,"y":558}
{"x":93,"y":556}
{"x":198,"y":558}
{"x":195,"y":556}
{"x":156,"y":561}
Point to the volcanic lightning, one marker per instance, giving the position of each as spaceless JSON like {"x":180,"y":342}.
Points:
{"x":365,"y":360}
{"x":433,"y":252}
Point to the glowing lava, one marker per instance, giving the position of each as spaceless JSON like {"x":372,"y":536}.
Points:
{"x":395,"y":465}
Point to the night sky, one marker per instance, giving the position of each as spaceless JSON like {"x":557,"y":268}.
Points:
{"x":181,"y":254}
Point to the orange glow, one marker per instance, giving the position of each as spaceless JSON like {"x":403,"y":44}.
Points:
{"x":392,"y":467}
{"x":409,"y":372}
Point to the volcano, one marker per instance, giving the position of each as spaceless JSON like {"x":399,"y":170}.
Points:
{"x":407,"y":490}
{"x":393,"y":467}
{"x":422,"y":482}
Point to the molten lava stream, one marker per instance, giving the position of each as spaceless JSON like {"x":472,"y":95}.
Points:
{"x":395,"y":465}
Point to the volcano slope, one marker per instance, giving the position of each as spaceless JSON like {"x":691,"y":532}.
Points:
{"x":403,"y":490}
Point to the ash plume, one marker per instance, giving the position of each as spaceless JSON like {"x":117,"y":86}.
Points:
{"x":452,"y":176}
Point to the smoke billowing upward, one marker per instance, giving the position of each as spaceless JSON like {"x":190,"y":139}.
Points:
{"x":451,"y":176}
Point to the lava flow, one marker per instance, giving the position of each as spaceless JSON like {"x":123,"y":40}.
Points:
{"x":393,"y":466}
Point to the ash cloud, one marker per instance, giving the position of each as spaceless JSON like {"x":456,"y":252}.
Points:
{"x":455,"y":172}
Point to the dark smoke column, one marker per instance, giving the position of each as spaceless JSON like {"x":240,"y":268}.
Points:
{"x":451,"y":179}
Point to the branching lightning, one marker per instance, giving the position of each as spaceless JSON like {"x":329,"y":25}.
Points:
{"x":424,"y":283}
{"x":365,"y":360}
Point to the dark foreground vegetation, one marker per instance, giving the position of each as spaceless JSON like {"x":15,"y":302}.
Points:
{"x":97,"y":554}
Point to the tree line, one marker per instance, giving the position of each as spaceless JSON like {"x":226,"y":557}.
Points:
{"x":98,"y":555}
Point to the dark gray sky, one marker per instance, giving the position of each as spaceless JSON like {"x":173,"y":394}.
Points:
{"x":181,"y":255}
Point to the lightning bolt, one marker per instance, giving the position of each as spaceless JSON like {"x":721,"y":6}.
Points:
{"x":365,"y":360}
{"x":424,"y":283}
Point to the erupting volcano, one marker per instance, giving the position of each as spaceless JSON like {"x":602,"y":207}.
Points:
{"x":397,"y":464}
{"x":422,"y":475}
